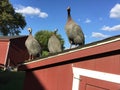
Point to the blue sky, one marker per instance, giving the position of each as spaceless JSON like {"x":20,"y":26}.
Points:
{"x":98,"y":19}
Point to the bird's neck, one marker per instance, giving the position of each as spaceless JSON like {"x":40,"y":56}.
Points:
{"x":69,"y":16}
{"x":30,"y":33}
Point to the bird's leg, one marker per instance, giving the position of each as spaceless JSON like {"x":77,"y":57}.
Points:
{"x":30,"y":57}
{"x":76,"y":46}
{"x":70,"y":44}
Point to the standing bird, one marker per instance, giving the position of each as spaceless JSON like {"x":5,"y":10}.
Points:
{"x":54,"y":44}
{"x":33,"y":47}
{"x":74,"y":31}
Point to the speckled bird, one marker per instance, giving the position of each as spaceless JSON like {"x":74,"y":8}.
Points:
{"x":32,"y":45}
{"x":74,"y":31}
{"x":54,"y":44}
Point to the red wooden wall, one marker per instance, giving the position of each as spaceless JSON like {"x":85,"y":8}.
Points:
{"x":95,"y":66}
{"x":17,"y":50}
{"x":95,"y":63}
{"x":13,"y":49}
{"x":4,"y":46}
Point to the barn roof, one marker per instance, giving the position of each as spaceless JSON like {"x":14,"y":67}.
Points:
{"x":10,"y":37}
{"x":81,"y":51}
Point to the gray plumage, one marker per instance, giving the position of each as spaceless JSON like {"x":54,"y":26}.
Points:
{"x":33,"y":47}
{"x":74,"y":31}
{"x":54,"y":44}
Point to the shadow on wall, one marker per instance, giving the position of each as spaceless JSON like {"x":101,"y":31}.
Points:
{"x":32,"y":83}
{"x":57,"y":76}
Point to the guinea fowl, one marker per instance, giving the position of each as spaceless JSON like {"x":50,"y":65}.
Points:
{"x":33,"y":47}
{"x":74,"y":31}
{"x":54,"y":44}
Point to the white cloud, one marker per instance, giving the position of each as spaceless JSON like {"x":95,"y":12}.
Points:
{"x":99,"y":35}
{"x":31,"y":11}
{"x":87,"y":20}
{"x":108,"y":28}
{"x":115,"y":11}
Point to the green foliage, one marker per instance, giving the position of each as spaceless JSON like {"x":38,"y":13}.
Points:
{"x":10,"y":22}
{"x":43,"y":37}
{"x":45,"y":53}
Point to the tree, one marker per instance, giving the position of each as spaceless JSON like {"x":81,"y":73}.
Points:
{"x":43,"y":36}
{"x":10,"y":22}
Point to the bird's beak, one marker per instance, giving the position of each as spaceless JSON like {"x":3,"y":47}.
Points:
{"x":68,"y":8}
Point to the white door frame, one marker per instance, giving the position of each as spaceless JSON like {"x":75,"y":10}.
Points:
{"x":77,"y":72}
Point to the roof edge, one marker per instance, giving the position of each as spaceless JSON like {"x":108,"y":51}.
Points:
{"x":7,"y":38}
{"x":87,"y":46}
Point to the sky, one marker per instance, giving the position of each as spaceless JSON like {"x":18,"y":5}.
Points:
{"x":98,"y":19}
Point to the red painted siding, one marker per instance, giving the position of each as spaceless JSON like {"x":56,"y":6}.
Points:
{"x":55,"y":72}
{"x":53,"y":78}
{"x":13,"y":48}
{"x":3,"y":51}
{"x":17,"y":51}
{"x":94,"y":84}
{"x":110,"y":64}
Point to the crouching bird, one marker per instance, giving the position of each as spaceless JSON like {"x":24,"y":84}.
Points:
{"x":32,"y":45}
{"x":54,"y":44}
{"x":74,"y":31}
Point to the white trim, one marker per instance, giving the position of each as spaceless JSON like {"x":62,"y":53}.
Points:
{"x":76,"y":82}
{"x":77,"y":72}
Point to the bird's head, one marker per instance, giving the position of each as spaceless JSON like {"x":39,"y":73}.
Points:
{"x":68,"y":9}
{"x":30,"y":30}
{"x":56,"y":30}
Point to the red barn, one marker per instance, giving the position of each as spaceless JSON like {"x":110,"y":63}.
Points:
{"x":12,"y":48}
{"x":95,"y":66}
